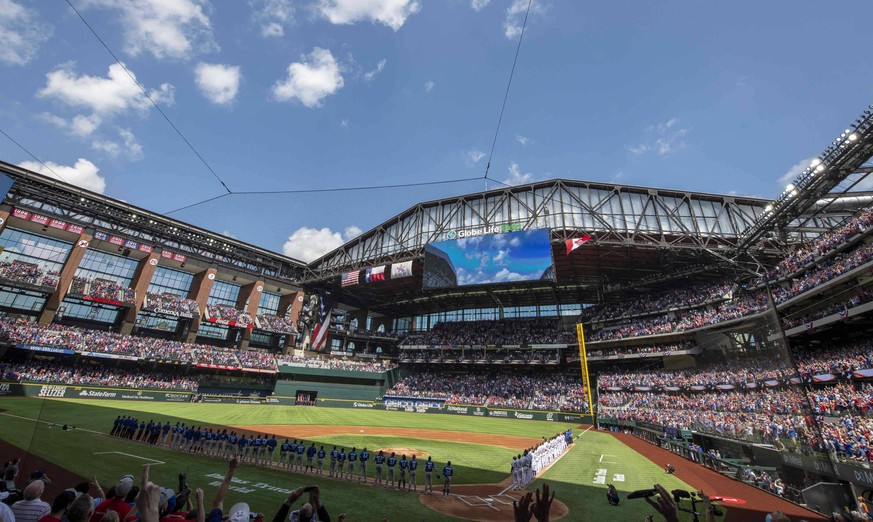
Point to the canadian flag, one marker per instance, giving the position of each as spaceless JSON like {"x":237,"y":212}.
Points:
{"x":573,"y":244}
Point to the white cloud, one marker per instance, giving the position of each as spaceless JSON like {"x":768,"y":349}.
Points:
{"x":473,"y":156}
{"x":314,"y":78}
{"x":176,"y":29}
{"x":516,"y":177}
{"x":665,"y":138}
{"x":478,"y":5}
{"x":80,"y":125}
{"x":392,"y":13}
{"x":273,"y":16}
{"x":428,"y":86}
{"x":116,"y":93}
{"x":129,"y":146}
{"x":308,"y":244}
{"x":368,"y":76}
{"x":515,"y":16}
{"x":219,"y":83}
{"x":21,"y":33}
{"x":83,"y":173}
{"x":794,"y":171}
{"x":524,"y":140}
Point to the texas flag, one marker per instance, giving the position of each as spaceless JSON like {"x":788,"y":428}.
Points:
{"x":573,"y":244}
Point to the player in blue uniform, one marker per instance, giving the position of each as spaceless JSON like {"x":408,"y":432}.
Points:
{"x":292,"y":454}
{"x":301,"y":449}
{"x":428,"y":477}
{"x":353,"y":460}
{"x":413,"y":466}
{"x":362,"y":468}
{"x":404,"y":466}
{"x":448,"y":471}
{"x":283,"y":454}
{"x":334,"y":456}
{"x":391,"y":461}
{"x":310,"y":457}
{"x":378,"y":460}
{"x":271,"y":447}
{"x":340,"y":463}
{"x":321,"y":454}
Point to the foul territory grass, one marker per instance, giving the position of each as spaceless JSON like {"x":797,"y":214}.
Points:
{"x":76,"y":450}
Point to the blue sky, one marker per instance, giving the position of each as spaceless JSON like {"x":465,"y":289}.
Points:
{"x":499,"y":258}
{"x":279,"y":94}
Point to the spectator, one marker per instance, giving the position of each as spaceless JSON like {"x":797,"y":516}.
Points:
{"x":32,"y":507}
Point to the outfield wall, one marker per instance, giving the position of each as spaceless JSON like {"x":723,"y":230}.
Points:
{"x":329,"y":390}
{"x":61,"y":391}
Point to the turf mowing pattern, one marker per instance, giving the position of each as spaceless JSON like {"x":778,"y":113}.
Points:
{"x":572,"y":477}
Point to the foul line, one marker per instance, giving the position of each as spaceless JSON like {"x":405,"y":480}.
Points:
{"x":153,"y":461}
{"x":51,"y":423}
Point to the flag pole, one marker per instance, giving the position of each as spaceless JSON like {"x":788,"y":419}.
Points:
{"x":583,"y":361}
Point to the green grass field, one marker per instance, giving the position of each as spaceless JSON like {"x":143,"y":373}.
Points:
{"x":573,"y":477}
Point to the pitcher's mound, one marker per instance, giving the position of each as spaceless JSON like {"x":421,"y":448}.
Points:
{"x":409,"y":452}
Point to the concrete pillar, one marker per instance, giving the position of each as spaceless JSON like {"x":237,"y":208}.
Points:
{"x":250,"y":293}
{"x":291,"y":304}
{"x":142,"y":277}
{"x":4,"y":218}
{"x":200,"y":288}
{"x":66,"y":277}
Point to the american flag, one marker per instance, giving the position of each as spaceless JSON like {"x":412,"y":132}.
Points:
{"x":322,"y":324}
{"x":350,"y":278}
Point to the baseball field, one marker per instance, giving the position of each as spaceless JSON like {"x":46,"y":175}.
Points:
{"x":480,"y":450}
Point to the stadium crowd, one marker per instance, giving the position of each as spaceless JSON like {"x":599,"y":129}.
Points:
{"x":526,"y":331}
{"x":82,"y":375}
{"x":546,"y":391}
{"x":227,"y":314}
{"x":172,"y":303}
{"x":102,"y":290}
{"x":335,"y":364}
{"x":28,"y":273}
{"x":275,"y":324}
{"x":759,"y":401}
{"x":98,"y":341}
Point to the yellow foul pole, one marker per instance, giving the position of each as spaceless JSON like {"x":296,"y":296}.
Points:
{"x":583,"y":360}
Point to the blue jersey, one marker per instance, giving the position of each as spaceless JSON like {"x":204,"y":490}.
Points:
{"x":353,"y":456}
{"x":166,"y":428}
{"x":271,"y":444}
{"x":342,"y":456}
{"x":284,"y":447}
{"x":428,"y":466}
{"x":379,"y":459}
{"x":334,"y":454}
{"x":300,"y":449}
{"x":365,"y":456}
{"x":413,"y":465}
{"x":321,"y":453}
{"x":447,"y":471}
{"x":311,"y":451}
{"x":243,"y":442}
{"x":392,"y":461}
{"x":231,"y":438}
{"x":292,"y":447}
{"x":404,"y":464}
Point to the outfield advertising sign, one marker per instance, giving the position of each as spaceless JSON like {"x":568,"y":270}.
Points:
{"x":56,"y":391}
{"x":460,"y":409}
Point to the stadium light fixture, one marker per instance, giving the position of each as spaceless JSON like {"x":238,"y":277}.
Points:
{"x":789,"y":187}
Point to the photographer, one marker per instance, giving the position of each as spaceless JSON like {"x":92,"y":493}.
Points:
{"x":612,"y":495}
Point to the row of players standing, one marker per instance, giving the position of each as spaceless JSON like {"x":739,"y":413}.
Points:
{"x":528,"y":465}
{"x":260,"y":450}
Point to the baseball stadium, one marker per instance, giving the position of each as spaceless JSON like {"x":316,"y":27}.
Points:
{"x":553,"y":347}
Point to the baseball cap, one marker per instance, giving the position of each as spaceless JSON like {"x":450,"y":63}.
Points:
{"x":168,"y":497}
{"x":239,"y":512}
{"x":124,"y":485}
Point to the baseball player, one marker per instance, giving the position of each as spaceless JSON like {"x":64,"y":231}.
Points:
{"x":283,"y":454}
{"x":353,"y":460}
{"x":340,"y":463}
{"x":413,"y":466}
{"x":231,"y":448}
{"x":362,"y":468}
{"x":334,"y":456}
{"x":404,"y":466}
{"x":321,"y":454}
{"x":242,"y":446}
{"x":271,"y":447}
{"x":392,"y":461}
{"x":301,"y":449}
{"x":292,"y":454}
{"x":428,"y":477}
{"x":378,"y":460}
{"x":448,"y":471}
{"x":310,"y":457}
{"x":165,"y":433}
